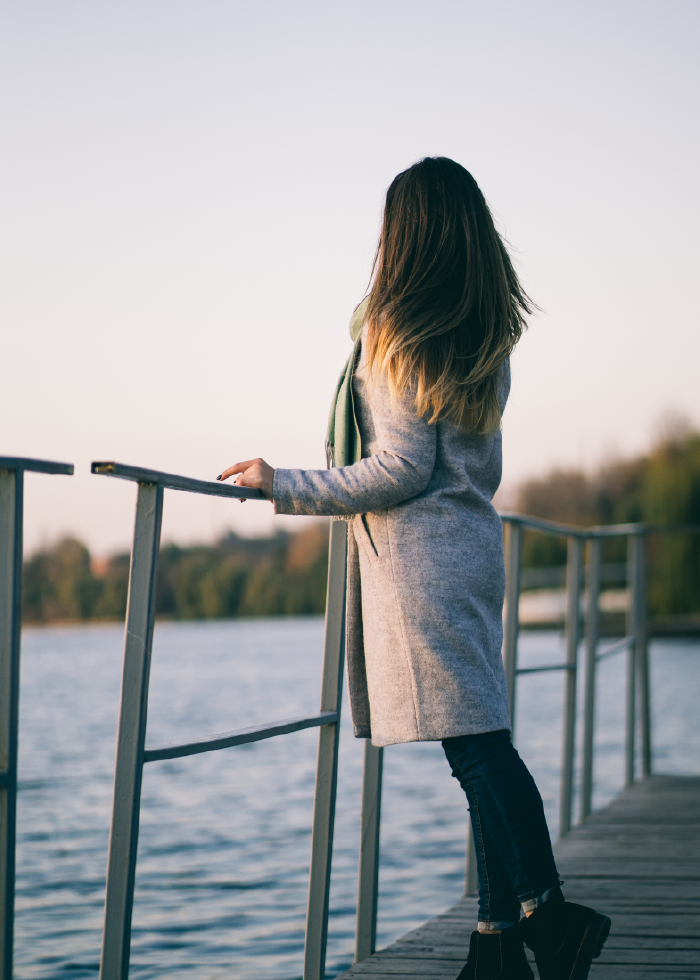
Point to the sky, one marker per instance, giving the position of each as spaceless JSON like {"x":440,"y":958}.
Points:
{"x":190,"y":202}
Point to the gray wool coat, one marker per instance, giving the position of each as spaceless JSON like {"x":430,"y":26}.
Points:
{"x":426,"y":576}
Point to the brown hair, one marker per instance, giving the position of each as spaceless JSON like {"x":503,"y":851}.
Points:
{"x":445,"y":308}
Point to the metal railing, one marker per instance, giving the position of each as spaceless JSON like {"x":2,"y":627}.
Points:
{"x":635,"y":643}
{"x":132,"y":753}
{"x":12,"y":470}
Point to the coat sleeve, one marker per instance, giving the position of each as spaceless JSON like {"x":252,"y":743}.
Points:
{"x":400,"y":467}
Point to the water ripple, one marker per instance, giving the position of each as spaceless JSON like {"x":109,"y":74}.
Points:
{"x":225,"y":837}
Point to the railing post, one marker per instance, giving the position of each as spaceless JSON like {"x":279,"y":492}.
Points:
{"x":513,"y":548}
{"x":327,"y":770}
{"x":138,"y":640}
{"x":511,"y":625}
{"x":366,"y":931}
{"x":639,"y":656}
{"x":642,"y":646}
{"x":591,"y":649}
{"x":631,"y":664}
{"x":11,"y":516}
{"x":11,"y":487}
{"x":573,"y":592}
{"x":471,"y":876}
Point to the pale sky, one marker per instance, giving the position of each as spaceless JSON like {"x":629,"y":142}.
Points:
{"x":191,"y":194}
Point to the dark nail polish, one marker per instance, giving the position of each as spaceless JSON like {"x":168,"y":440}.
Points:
{"x":219,"y":476}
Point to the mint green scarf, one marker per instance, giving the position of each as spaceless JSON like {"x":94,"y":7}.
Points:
{"x":343,"y":443}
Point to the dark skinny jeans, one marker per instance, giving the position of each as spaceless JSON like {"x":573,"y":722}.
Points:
{"x":513,"y":849}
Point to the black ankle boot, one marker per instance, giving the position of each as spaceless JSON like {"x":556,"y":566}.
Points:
{"x":496,"y":956}
{"x":564,"y":937}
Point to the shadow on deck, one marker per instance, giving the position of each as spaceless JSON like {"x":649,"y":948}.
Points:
{"x":637,"y":860}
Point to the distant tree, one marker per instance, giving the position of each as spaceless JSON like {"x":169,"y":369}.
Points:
{"x":280,"y":575}
{"x":672,"y":496}
{"x":111,"y":602}
{"x":306,"y":567}
{"x":58,"y":583}
{"x":660,"y":488}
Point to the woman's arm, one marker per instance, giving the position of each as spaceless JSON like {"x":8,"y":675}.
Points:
{"x":399,"y":468}
{"x":380,"y":481}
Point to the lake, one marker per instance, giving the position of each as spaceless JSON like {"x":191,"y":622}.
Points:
{"x":224,"y":848}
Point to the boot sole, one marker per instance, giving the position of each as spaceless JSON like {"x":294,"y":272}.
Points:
{"x":592,"y":942}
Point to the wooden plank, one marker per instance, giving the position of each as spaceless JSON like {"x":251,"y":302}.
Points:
{"x":638,"y":861}
{"x":665,"y":846}
{"x":644,"y":891}
{"x":649,"y":957}
{"x":382,"y":966}
{"x":621,"y":869}
{"x":618,"y":941}
{"x":445,"y":950}
{"x":627,"y":970}
{"x":445,"y":954}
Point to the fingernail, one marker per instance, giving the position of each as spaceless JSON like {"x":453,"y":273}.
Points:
{"x":219,"y":476}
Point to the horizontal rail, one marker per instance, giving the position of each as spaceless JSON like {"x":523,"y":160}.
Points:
{"x":35,"y":465}
{"x":241,"y":737}
{"x":553,"y":576}
{"x":615,"y":648}
{"x":616,"y":530}
{"x":550,"y":527}
{"x":596,"y":531}
{"x":171,"y":482}
{"x":618,"y":647}
{"x":4,"y":777}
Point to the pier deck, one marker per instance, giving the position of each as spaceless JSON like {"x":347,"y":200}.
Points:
{"x":637,"y":860}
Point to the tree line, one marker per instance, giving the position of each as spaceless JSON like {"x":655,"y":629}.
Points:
{"x":660,"y":487}
{"x":286,"y":574}
{"x":273,"y":576}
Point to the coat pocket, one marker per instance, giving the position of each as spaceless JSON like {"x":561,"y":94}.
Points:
{"x":364,"y":537}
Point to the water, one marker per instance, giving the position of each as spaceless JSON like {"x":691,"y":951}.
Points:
{"x":225,"y":837}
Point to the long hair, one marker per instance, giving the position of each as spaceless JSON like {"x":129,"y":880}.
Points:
{"x":445,"y":307}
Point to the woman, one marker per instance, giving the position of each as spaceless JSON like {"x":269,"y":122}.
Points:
{"x":414,"y":450}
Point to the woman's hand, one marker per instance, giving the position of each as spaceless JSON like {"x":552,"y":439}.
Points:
{"x":252,"y":473}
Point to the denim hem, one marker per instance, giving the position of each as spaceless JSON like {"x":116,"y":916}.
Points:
{"x":489,"y":926}
{"x":533,"y":903}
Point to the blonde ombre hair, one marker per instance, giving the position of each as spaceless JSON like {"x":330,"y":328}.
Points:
{"x":445,"y":308}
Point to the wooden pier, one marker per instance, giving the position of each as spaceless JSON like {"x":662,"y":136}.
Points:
{"x":637,"y":860}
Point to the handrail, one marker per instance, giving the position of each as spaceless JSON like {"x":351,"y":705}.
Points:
{"x":12,"y":470}
{"x":620,"y":530}
{"x":29,"y":465}
{"x":541,"y":524}
{"x":132,"y":753}
{"x":168,"y":481}
{"x":558,"y":529}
